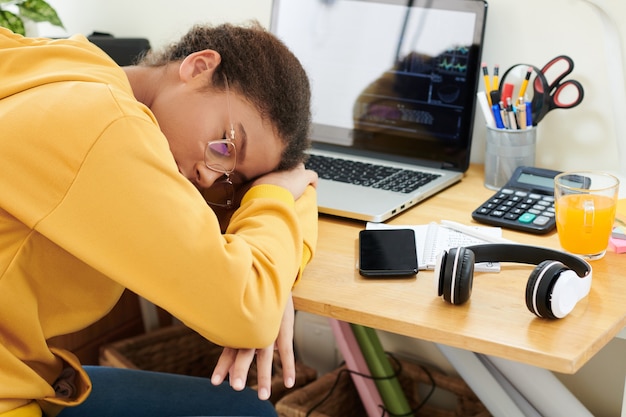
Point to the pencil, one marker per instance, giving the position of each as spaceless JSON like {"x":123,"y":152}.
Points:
{"x":522,"y":89}
{"x":488,"y":88}
{"x":496,"y":81}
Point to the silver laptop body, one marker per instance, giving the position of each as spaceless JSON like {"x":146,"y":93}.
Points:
{"x":394,"y":84}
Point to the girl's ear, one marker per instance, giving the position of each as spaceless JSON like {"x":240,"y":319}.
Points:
{"x":201,"y":63}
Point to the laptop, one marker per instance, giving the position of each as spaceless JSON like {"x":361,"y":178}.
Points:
{"x":394,"y":87}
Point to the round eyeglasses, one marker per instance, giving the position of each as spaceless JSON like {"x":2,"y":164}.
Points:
{"x":221,"y":156}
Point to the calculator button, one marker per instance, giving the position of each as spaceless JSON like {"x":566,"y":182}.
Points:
{"x":541,"y":220}
{"x":521,"y":193}
{"x":534,"y":211}
{"x":507,"y":191}
{"x":497,"y":213}
{"x":511,"y":216}
{"x":527,"y":218}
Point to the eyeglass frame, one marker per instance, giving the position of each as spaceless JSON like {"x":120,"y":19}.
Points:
{"x":216,"y":167}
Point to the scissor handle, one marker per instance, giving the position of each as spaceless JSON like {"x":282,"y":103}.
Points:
{"x":564,"y":73}
{"x":560,"y":99}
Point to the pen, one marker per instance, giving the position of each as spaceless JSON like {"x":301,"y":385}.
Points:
{"x":522,"y":89}
{"x":529,"y":114}
{"x":521,"y":115}
{"x":470,"y":231}
{"x":504,"y":116}
{"x":488,"y":88}
{"x":511,"y":114}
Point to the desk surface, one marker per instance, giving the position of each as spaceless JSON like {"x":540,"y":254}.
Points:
{"x":495,"y":321}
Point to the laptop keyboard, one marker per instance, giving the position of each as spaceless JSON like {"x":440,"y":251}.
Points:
{"x":369,"y":175}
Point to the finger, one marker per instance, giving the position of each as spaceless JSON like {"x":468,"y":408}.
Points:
{"x":284,"y":343}
{"x":241,"y":367}
{"x":264,"y":360}
{"x":225,"y":361}
{"x":288,"y":363}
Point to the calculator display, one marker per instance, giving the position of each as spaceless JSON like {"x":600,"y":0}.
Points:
{"x":540,"y":181}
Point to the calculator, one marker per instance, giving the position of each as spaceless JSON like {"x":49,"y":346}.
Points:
{"x":524,"y":203}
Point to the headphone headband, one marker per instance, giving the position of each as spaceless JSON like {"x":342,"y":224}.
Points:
{"x":505,"y":252}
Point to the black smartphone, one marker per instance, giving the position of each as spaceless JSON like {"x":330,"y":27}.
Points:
{"x":387,"y":253}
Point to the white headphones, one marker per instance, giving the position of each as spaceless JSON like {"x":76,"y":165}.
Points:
{"x":554,"y":287}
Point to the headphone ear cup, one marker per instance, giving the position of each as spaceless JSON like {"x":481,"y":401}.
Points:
{"x":458,"y":275}
{"x":539,"y":288}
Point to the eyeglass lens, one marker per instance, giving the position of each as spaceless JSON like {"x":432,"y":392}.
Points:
{"x":220,"y":155}
{"x":221,"y":193}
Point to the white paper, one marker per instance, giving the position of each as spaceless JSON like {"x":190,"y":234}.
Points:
{"x":431,"y":239}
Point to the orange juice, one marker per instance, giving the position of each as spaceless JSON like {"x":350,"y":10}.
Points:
{"x":584,"y":222}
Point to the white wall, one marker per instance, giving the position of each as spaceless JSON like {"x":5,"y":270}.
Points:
{"x":590,"y":136}
{"x":158,"y":20}
{"x":533,"y":32}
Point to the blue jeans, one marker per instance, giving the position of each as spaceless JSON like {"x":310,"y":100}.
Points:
{"x":132,"y":393}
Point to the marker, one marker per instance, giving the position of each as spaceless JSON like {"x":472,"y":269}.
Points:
{"x":484,"y":105}
{"x":507,"y":91}
{"x":522,"y":89}
{"x":497,"y":116}
{"x":488,"y":88}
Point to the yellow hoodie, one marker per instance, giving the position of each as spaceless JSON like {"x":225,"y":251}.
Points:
{"x":91,"y":202}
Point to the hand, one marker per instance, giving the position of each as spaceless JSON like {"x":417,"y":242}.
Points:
{"x":295,"y":180}
{"x":236,"y":362}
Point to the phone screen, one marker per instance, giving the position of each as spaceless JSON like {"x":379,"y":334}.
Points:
{"x":387,"y":253}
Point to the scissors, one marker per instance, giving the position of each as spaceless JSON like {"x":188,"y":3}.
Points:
{"x":551,"y":92}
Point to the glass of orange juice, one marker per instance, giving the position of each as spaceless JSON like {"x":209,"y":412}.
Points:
{"x":585,"y":203}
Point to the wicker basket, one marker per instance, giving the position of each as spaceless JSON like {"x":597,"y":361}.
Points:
{"x":344,"y":399}
{"x":179,"y":350}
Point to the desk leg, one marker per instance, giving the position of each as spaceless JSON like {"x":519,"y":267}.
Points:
{"x":482,"y":382}
{"x":541,"y":388}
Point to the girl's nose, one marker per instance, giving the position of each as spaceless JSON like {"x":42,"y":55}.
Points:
{"x":205,"y":177}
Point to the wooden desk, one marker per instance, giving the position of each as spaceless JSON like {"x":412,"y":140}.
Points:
{"x":494,"y":322}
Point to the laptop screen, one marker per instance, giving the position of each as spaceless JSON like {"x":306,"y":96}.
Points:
{"x":388,"y":76}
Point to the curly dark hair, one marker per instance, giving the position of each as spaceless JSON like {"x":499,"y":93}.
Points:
{"x":261,"y":68}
